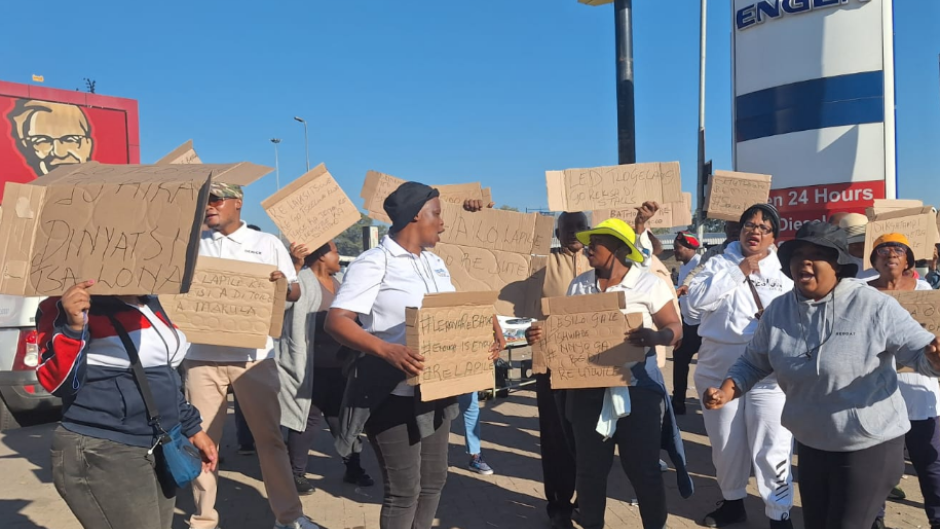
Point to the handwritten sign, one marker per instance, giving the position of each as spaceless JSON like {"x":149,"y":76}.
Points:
{"x":454,"y":333}
{"x":378,"y":186}
{"x":583,"y":341}
{"x":924,"y":306}
{"x":731,"y":193}
{"x":613,"y":187}
{"x":231,"y":303}
{"x":919,"y":225}
{"x":670,"y":215}
{"x":184,"y":154}
{"x":883,"y":205}
{"x":312,"y":209}
{"x":493,"y":250}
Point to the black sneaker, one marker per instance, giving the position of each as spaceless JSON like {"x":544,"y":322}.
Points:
{"x":304,"y":488}
{"x":729,"y":512}
{"x":781,"y":524}
{"x":355,"y":474}
{"x":561,"y":521}
{"x":678,"y":405}
{"x":879,"y":524}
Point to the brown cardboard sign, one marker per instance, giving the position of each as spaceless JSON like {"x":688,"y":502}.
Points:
{"x":613,"y":187}
{"x":378,"y":186}
{"x":883,"y":205}
{"x":919,"y":225}
{"x":492,"y":250}
{"x":313,"y":209}
{"x":583,"y":341}
{"x":670,"y":215}
{"x":924,"y":306}
{"x":231,"y":303}
{"x":184,"y":154}
{"x":454,"y":333}
{"x":731,"y":193}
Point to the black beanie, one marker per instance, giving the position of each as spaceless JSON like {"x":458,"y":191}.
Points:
{"x":769,"y":213}
{"x":405,"y":202}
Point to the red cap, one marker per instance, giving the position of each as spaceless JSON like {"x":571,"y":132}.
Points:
{"x":688,"y":240}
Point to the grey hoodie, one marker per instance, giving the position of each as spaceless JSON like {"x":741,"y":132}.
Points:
{"x":842,"y":396}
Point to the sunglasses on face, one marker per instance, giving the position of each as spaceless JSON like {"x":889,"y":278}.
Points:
{"x":888,"y":251}
{"x":215,"y":201}
{"x":762,"y":228}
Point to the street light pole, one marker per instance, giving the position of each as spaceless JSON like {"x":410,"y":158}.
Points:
{"x":626,"y":116}
{"x":277,"y":166}
{"x":701,"y":120}
{"x":306,"y":143}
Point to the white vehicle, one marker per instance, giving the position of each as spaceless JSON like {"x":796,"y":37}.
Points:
{"x":21,"y":396}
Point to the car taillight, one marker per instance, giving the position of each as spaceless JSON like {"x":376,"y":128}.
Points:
{"x":27,"y":351}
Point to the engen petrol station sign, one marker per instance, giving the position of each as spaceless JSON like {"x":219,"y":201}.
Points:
{"x":814,"y":103}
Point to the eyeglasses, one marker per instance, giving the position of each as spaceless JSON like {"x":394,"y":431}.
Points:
{"x":215,"y":201}
{"x":763,"y":228}
{"x":888,"y":251}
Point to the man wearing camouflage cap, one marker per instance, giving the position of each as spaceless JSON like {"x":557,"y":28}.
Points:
{"x":251,"y":373}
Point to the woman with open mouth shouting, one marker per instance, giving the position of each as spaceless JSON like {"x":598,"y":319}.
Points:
{"x":731,"y":293}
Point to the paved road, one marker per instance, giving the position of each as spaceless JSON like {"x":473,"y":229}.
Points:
{"x":511,"y":499}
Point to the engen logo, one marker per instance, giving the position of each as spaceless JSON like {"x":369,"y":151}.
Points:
{"x":765,"y":10}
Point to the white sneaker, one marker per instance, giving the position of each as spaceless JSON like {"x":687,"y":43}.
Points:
{"x":300,"y":523}
{"x":663,"y":467}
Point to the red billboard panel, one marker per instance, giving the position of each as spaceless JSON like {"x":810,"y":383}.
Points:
{"x":799,"y":205}
{"x":42,"y":128}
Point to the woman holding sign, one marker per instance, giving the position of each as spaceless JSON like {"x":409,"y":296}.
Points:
{"x":832,"y":343}
{"x":891,"y":258}
{"x":409,"y":436}
{"x":730,"y":294}
{"x":632,"y":418}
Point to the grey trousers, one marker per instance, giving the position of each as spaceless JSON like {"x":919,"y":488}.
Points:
{"x":109,"y":485}
{"x":638,"y":436}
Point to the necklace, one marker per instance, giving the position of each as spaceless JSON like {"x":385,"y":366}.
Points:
{"x":799,"y":318}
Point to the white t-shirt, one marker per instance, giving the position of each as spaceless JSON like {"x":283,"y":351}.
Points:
{"x":382,"y":282}
{"x":687,"y":315}
{"x":248,"y":245}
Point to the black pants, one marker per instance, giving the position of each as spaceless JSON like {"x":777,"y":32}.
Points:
{"x":413,"y":470}
{"x":110,"y":484}
{"x":923,"y":447}
{"x":682,"y":357}
{"x":844,"y":490}
{"x":556,"y":440}
{"x":638,"y":436}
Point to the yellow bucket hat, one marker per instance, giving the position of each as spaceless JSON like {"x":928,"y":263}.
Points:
{"x":893,"y":239}
{"x":615,"y":228}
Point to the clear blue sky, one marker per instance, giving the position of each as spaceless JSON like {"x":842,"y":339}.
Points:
{"x":438,"y":92}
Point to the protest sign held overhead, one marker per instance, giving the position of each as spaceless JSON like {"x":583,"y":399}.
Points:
{"x":670,"y":214}
{"x":378,"y":186}
{"x":184,"y":154}
{"x":454,"y":333}
{"x":231,"y":303}
{"x":584,"y":341}
{"x":919,"y":225}
{"x":883,"y":205}
{"x":134,"y":229}
{"x":619,"y":187}
{"x":731,"y":193}
{"x":313,"y":209}
{"x":493,"y":250}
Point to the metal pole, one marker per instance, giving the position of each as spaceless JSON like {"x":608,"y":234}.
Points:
{"x":701,"y":120}
{"x":277,"y":166}
{"x":306,"y":142}
{"x":626,"y":117}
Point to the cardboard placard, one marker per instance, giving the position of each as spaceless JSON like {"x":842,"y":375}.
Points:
{"x":492,"y":249}
{"x":454,"y":333}
{"x":919,"y":225}
{"x":184,"y":154}
{"x":583,"y":341}
{"x":132,"y":228}
{"x":670,"y":215}
{"x":883,"y":205}
{"x":613,"y":187}
{"x":731,"y":193}
{"x":313,"y":209}
{"x":924,"y":306}
{"x":378,"y":186}
{"x":231,"y":304}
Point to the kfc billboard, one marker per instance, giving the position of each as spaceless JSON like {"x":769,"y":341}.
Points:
{"x":42,"y":128}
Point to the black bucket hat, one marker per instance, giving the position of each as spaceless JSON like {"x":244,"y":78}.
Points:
{"x":821,"y":234}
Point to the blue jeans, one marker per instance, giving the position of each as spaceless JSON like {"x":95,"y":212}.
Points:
{"x":470,"y":408}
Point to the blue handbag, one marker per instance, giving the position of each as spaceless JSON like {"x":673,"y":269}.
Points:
{"x":179,"y":458}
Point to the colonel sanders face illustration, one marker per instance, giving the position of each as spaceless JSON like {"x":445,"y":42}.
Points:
{"x":51,"y":134}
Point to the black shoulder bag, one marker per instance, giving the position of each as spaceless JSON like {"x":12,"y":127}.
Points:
{"x":179,"y":458}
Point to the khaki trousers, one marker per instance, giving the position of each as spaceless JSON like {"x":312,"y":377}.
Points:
{"x":256,"y":385}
